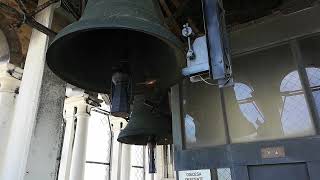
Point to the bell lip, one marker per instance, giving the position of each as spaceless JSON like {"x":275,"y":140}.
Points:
{"x":145,"y":132}
{"x":124,"y":23}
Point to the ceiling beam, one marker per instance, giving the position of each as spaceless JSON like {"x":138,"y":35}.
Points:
{"x":42,"y":7}
{"x":173,"y":23}
{"x":24,"y":18}
{"x":177,"y":4}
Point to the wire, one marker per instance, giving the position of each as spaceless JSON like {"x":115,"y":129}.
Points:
{"x":202,"y":79}
{"x":213,"y":84}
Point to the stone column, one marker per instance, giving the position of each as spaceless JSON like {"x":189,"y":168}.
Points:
{"x":125,"y":162}
{"x":9,"y":87}
{"x":66,"y":155}
{"x":82,"y":116}
{"x":160,"y":164}
{"x":13,"y":166}
{"x":120,"y":162}
{"x":45,"y":148}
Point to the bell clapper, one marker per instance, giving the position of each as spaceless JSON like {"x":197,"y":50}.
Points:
{"x":120,"y":98}
{"x":151,"y":152}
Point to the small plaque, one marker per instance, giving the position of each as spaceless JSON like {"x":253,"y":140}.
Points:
{"x":195,"y":175}
{"x":273,"y":152}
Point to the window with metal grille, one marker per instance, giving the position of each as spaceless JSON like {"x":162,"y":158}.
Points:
{"x":314,"y":81}
{"x":137,"y":171}
{"x":273,"y":102}
{"x":295,"y":115}
{"x":247,"y":104}
{"x":98,"y":147}
{"x":224,"y":174}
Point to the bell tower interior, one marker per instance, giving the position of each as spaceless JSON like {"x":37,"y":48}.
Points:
{"x":159,"y":89}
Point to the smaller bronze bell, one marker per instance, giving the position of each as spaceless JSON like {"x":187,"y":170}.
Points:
{"x":148,"y":125}
{"x":145,"y":124}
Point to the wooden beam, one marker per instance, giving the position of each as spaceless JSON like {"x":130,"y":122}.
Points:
{"x":165,"y":7}
{"x":42,"y":7}
{"x":25,"y":18}
{"x":179,"y":10}
{"x":193,"y":26}
{"x":175,"y":26}
{"x":21,"y":6}
{"x":177,"y":4}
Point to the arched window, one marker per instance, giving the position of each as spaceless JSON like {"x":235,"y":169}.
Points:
{"x":247,"y":104}
{"x":4,"y":48}
{"x":295,"y":116}
{"x":190,"y":129}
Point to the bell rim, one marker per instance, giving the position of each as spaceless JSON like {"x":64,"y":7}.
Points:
{"x":162,"y":33}
{"x":145,"y":132}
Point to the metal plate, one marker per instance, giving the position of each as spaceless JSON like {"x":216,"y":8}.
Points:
{"x":273,"y":152}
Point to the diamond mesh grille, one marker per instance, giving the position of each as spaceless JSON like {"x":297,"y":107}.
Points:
{"x":224,"y":174}
{"x":137,"y":163}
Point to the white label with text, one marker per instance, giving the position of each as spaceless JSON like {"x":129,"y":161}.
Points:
{"x":195,"y":175}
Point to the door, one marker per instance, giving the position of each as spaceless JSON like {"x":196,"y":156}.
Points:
{"x":298,"y":171}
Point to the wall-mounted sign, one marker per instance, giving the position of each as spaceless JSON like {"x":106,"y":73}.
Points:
{"x":273,"y":152}
{"x":195,"y":175}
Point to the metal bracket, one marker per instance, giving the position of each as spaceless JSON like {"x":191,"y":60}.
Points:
{"x":200,"y":62}
{"x":217,"y":41}
{"x":209,"y":56}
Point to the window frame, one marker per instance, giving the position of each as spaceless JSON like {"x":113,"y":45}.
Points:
{"x":243,"y":154}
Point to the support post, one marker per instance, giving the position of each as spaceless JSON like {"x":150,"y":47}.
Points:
{"x":298,"y":59}
{"x":13,"y":166}
{"x":160,"y":163}
{"x":125,"y":162}
{"x":66,"y":155}
{"x":117,"y":166}
{"x":82,"y":116}
{"x":44,"y":154}
{"x":217,"y":41}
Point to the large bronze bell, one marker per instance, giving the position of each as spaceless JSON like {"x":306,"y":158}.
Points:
{"x":113,"y":34}
{"x":127,"y":37}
